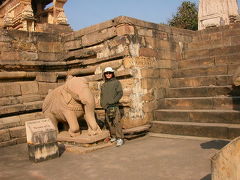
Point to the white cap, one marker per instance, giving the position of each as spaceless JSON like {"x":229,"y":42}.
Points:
{"x":108,"y":69}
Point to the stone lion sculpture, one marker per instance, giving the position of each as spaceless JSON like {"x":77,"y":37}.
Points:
{"x":69,"y":102}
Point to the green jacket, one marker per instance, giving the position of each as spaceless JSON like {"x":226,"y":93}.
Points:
{"x":111,"y":92}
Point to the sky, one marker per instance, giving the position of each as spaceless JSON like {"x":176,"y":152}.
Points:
{"x":84,"y":13}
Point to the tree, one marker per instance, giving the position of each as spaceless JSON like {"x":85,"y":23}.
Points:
{"x":186,"y":16}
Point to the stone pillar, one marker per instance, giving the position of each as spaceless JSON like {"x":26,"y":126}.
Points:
{"x":216,"y":12}
{"x":28,"y":19}
{"x":58,"y":12}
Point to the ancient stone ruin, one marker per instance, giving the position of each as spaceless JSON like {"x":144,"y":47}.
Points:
{"x":178,"y":81}
{"x":31,"y":15}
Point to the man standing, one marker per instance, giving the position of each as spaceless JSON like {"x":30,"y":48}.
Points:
{"x":111,"y":93}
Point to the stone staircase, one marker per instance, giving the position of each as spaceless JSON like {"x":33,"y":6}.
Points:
{"x":201,"y":100}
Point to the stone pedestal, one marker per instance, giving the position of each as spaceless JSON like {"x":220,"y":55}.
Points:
{"x":216,"y":12}
{"x":84,"y":143}
{"x":42,"y":140}
{"x":84,"y":139}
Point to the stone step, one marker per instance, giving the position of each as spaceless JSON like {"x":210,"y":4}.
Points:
{"x":206,"y":44}
{"x":212,"y":34}
{"x":172,"y":136}
{"x":218,"y":51}
{"x":201,"y":71}
{"x":225,"y":103}
{"x":206,"y":71}
{"x":213,"y":80}
{"x":199,"y":116}
{"x":213,"y":39}
{"x":194,"y":63}
{"x":204,"y":91}
{"x":230,"y":59}
{"x":212,"y":130}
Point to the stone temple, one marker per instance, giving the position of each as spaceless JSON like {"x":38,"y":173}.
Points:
{"x":176,"y":80}
{"x":30,"y":15}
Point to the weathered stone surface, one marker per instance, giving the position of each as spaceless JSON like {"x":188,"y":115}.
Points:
{"x":9,"y":101}
{"x":225,"y":163}
{"x":124,"y":29}
{"x":21,"y":140}
{"x":5,"y":46}
{"x":46,"y":56}
{"x":97,"y":37}
{"x":17,"y":132}
{"x":50,"y":46}
{"x":10,"y":56}
{"x":149,"y":106}
{"x":37,"y":105}
{"x":46,"y":77}
{"x":150,"y":42}
{"x":8,"y":143}
{"x":4,"y":135}
{"x":43,"y":152}
{"x":28,"y":56}
{"x":12,"y":109}
{"x":9,"y":89}
{"x":196,"y":63}
{"x":30,"y":98}
{"x":30,"y":117}
{"x":29,"y":87}
{"x":84,"y":138}
{"x":70,"y":45}
{"x":147,"y":52}
{"x":45,"y":87}
{"x":192,"y":129}
{"x":150,"y":73}
{"x":148,"y":96}
{"x":145,"y":32}
{"x":40,"y":131}
{"x":202,"y":71}
{"x":150,"y":83}
{"x":9,"y":122}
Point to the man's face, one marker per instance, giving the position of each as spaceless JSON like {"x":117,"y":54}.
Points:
{"x":108,"y":75}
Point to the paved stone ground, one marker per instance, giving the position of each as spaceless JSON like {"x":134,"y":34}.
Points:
{"x":144,"y":158}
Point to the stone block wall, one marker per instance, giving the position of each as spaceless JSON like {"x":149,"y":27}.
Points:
{"x":29,"y":66}
{"x":143,"y":54}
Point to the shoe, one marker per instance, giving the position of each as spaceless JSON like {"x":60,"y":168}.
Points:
{"x":113,"y":139}
{"x":119,"y":142}
{"x":107,"y":140}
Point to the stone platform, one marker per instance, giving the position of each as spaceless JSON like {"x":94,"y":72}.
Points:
{"x":83,"y":143}
{"x":82,"y":139}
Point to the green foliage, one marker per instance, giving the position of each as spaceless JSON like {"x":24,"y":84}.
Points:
{"x":186,"y":16}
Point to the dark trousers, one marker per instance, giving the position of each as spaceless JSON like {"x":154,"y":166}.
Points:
{"x":114,"y":124}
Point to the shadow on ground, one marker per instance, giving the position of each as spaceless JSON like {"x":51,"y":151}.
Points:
{"x":215,"y":144}
{"x":208,"y":177}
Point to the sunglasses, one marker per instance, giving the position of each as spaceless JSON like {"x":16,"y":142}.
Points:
{"x":108,"y":73}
